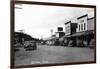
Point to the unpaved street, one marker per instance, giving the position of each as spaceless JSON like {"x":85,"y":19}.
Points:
{"x":53,"y":54}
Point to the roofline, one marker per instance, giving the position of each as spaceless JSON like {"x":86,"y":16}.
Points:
{"x":90,"y":18}
{"x":68,"y":22}
{"x":86,"y":15}
{"x":60,"y":32}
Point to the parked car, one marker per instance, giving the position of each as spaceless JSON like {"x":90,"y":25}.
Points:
{"x":30,"y":45}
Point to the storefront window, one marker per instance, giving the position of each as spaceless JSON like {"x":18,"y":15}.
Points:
{"x":79,"y":27}
{"x":82,"y":27}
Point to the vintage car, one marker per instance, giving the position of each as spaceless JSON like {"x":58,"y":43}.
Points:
{"x":30,"y":45}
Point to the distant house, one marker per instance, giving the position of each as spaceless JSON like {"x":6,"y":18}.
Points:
{"x":51,"y":40}
{"x":59,"y":34}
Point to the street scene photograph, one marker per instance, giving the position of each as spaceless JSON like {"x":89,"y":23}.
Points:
{"x":53,"y":34}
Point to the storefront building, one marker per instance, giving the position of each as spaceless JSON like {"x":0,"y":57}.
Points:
{"x":85,"y":31}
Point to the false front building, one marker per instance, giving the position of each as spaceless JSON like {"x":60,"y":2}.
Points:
{"x":59,"y":32}
{"x":79,"y":34}
{"x":70,"y":28}
{"x":85,"y":31}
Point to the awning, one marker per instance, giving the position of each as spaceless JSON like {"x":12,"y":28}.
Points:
{"x":51,"y":38}
{"x":64,"y":37}
{"x":83,"y":33}
{"x":67,"y":36}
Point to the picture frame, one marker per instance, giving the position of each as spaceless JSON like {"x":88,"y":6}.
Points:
{"x":79,"y":37}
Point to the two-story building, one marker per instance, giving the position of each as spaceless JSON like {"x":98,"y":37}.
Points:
{"x":59,"y":32}
{"x":85,"y":30}
{"x":54,"y":39}
{"x":70,"y":28}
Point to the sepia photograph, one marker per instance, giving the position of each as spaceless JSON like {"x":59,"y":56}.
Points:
{"x":53,"y":34}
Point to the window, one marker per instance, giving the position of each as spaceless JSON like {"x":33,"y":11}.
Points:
{"x":79,"y":27}
{"x":84,"y":26}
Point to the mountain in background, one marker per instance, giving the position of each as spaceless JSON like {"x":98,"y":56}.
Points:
{"x":20,"y":35}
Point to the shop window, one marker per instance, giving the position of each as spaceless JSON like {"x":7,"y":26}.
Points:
{"x":82,"y":27}
{"x":79,"y":27}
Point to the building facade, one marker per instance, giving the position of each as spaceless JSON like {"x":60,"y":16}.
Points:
{"x":85,"y":23}
{"x":90,"y":24}
{"x":70,"y":28}
{"x":85,"y":31}
{"x":82,"y":23}
{"x":59,"y":32}
{"x":79,"y":34}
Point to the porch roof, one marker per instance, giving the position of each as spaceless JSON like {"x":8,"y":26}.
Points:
{"x":83,"y":33}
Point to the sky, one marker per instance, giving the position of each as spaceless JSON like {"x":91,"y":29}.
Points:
{"x":38,"y":20}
